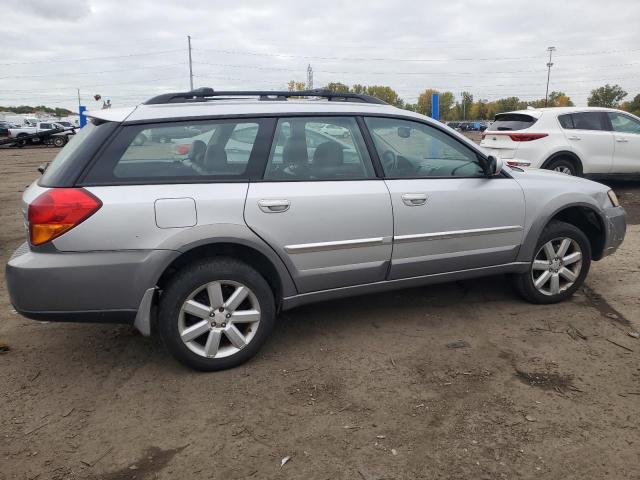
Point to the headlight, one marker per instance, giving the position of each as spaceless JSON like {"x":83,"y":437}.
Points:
{"x":613,"y":197}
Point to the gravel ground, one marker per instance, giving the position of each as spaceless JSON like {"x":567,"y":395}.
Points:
{"x":363,"y":388}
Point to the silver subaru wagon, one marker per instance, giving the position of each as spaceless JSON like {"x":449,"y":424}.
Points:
{"x":201,"y":215}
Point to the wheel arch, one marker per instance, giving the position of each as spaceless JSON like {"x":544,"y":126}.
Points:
{"x":582,"y":215}
{"x":234,"y":241}
{"x":575,"y":159}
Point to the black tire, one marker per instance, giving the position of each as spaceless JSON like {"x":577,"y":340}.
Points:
{"x":59,"y":141}
{"x":564,"y":165}
{"x":192,"y":277}
{"x":524,"y":283}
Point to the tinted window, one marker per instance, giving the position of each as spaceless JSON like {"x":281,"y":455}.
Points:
{"x":318,"y":148}
{"x":624,"y":123}
{"x":46,"y":126}
{"x":566,"y":121}
{"x":415,"y":150}
{"x":588,"y":121}
{"x":181,"y":152}
{"x":512,"y":121}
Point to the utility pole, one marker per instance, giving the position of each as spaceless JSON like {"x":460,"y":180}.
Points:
{"x":309,"y":78}
{"x":549,"y":65}
{"x":464,"y":107}
{"x":190,"y":63}
{"x":79,"y":101}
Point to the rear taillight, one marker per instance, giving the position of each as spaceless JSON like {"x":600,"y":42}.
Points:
{"x":59,"y":210}
{"x":526,"y":137}
{"x":517,"y":137}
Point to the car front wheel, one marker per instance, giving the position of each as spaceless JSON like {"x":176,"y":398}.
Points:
{"x":215,"y":314}
{"x":559,"y":266}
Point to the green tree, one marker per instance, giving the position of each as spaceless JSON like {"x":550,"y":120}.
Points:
{"x":424,"y":101}
{"x":465,"y":104}
{"x":608,"y":96}
{"x":337,"y":87}
{"x":559,"y":99}
{"x":447,"y":101}
{"x":632,"y":106}
{"x":508,"y":104}
{"x":294,"y":85}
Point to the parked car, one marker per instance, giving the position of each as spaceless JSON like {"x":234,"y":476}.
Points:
{"x":46,"y":128}
{"x":204,"y":243}
{"x":592,"y":142}
{"x":4,"y":128}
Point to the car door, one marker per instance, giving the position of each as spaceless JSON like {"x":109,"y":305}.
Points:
{"x":588,"y":135}
{"x":626,"y":132}
{"x":448,"y":215}
{"x":321,"y":207}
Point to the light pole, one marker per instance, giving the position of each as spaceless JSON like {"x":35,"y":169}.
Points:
{"x":190,"y":63}
{"x":549,"y":65}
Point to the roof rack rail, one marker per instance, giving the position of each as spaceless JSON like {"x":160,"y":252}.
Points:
{"x":205,"y":93}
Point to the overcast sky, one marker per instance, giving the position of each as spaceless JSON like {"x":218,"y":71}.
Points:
{"x":130,"y":50}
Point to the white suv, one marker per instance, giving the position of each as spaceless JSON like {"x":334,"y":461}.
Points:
{"x":577,"y":141}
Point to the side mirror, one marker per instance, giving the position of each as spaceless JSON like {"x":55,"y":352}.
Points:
{"x":493,"y":166}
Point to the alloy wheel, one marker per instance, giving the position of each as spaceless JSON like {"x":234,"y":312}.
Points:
{"x":563,"y":169}
{"x":556,"y":266}
{"x":219,"y":319}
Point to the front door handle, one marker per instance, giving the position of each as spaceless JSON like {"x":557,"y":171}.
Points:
{"x":574,"y":137}
{"x":414,"y":199}
{"x":621,"y":140}
{"x":274,"y":206}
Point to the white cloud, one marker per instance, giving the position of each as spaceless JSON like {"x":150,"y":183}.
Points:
{"x":129,"y":51}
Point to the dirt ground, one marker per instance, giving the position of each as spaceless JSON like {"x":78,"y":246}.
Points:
{"x":364,"y":388}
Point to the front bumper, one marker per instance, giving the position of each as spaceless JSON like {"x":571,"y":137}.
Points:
{"x":615,"y":229}
{"x":83,"y":286}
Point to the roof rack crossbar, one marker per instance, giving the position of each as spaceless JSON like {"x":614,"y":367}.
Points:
{"x":206,"y":93}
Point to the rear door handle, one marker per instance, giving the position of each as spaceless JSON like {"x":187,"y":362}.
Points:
{"x":621,"y":140}
{"x":574,"y":137}
{"x":414,"y":199}
{"x":274,"y":206}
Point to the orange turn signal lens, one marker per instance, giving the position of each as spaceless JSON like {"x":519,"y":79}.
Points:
{"x":59,"y":210}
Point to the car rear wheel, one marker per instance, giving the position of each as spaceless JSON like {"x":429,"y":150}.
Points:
{"x":59,"y":141}
{"x":563,"y":165}
{"x":215,"y":314}
{"x":559,"y":266}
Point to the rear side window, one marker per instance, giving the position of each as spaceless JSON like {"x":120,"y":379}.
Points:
{"x":181,"y":152}
{"x":583,"y":121}
{"x":566,"y":121}
{"x":512,"y":121}
{"x":72,"y":159}
{"x":318,"y":148}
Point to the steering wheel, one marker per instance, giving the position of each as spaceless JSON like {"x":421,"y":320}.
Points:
{"x":389,"y":160}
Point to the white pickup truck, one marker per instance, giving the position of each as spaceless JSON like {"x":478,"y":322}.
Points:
{"x":48,"y":137}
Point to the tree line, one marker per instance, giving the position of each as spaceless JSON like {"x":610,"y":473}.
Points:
{"x":468,"y":108}
{"x":26,"y":109}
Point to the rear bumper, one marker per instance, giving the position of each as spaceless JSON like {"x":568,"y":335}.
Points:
{"x":616,"y":228}
{"x":103,"y":287}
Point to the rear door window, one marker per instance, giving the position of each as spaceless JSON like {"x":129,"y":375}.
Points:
{"x":512,"y":121}
{"x":183,"y":152}
{"x":318,"y":148}
{"x":588,"y":121}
